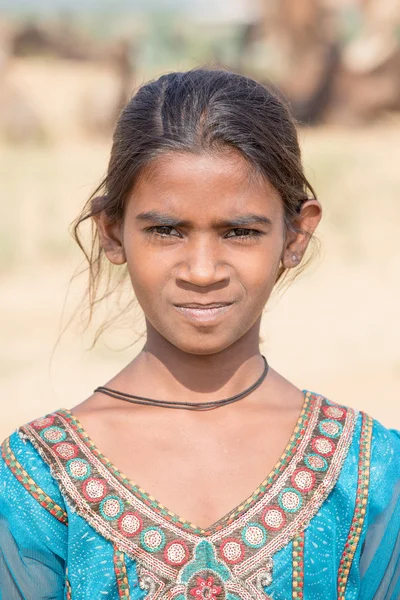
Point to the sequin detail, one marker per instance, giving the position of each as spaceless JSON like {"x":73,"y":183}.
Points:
{"x":111,"y":507}
{"x":53,"y":434}
{"x":254,"y":535}
{"x":121,"y":574}
{"x":316,"y":462}
{"x":324,"y":446}
{"x":361,"y":504}
{"x":153,"y":539}
{"x":290,"y":500}
{"x":174,"y":556}
{"x":303,"y":480}
{"x":66,"y":450}
{"x":298,"y":566}
{"x":274,"y":518}
{"x":94,"y":489}
{"x":78,"y":468}
{"x":130,"y":524}
{"x":330,"y":428}
{"x":176,"y":553}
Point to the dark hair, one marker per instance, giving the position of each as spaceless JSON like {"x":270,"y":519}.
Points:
{"x":196,"y":111}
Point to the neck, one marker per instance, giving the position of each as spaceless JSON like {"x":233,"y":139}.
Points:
{"x":163,"y":371}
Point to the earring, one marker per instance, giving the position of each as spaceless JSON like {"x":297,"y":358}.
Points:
{"x":295,"y":258}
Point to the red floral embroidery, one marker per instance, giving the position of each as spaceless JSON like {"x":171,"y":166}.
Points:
{"x":206,"y":589}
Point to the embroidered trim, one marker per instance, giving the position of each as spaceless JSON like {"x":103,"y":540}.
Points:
{"x":68,"y":587}
{"x":298,"y":566}
{"x":301,"y":426}
{"x":121,"y":574}
{"x":361,"y":505}
{"x":30,"y":485}
{"x":237,"y":552}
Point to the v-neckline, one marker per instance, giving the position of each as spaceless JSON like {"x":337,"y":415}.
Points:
{"x":172,"y":517}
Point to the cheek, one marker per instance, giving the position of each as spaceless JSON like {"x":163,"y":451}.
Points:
{"x":148,"y":271}
{"x":258,"y":273}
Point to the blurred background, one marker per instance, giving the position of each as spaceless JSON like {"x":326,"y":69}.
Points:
{"x":66,"y":69}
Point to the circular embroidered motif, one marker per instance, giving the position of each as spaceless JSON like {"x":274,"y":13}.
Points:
{"x":130,"y":524}
{"x":232,"y":550}
{"x":176,"y":553}
{"x":303,"y":480}
{"x":43,"y":422}
{"x":111,"y":507}
{"x":316,"y":462}
{"x":323,"y":445}
{"x":254,"y":535}
{"x":153,"y":539}
{"x":78,"y":468}
{"x":53,"y":434}
{"x":330,"y":428}
{"x":94,"y":489}
{"x":274,"y":518}
{"x":290,"y":500}
{"x":334,"y":412}
{"x":206,"y":585}
{"x":66,"y":450}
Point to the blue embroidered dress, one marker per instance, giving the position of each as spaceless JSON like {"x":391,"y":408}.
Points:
{"x":324,"y":524}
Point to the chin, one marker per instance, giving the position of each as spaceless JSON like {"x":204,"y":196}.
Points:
{"x":203,"y":345}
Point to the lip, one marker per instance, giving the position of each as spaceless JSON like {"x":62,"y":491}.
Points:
{"x":204,"y":313}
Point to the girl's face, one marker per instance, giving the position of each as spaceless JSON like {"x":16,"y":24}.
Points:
{"x":203,"y":239}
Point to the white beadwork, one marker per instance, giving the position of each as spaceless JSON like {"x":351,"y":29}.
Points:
{"x":317,"y":462}
{"x":53,"y":434}
{"x":273,"y":518}
{"x":66,"y":450}
{"x":78,"y":468}
{"x":290,"y":500}
{"x":95,"y":489}
{"x":130,"y":524}
{"x":334,"y":412}
{"x":254,"y":535}
{"x":176,"y":553}
{"x":111,"y":507}
{"x":323,"y":445}
{"x":330,"y":427}
{"x":152,"y":539}
{"x":303,"y":480}
{"x":232,"y":551}
{"x":43,"y":422}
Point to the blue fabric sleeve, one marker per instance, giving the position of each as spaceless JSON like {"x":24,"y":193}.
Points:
{"x":380,"y":557}
{"x":33,"y":542}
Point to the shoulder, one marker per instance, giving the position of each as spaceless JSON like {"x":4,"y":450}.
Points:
{"x":375,"y":453}
{"x":384,"y":465}
{"x":33,"y":513}
{"x":26,"y":476}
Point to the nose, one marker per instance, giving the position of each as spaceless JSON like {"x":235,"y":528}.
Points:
{"x":202,"y":265}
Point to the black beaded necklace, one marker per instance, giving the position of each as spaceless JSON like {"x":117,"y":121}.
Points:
{"x":185,"y":405}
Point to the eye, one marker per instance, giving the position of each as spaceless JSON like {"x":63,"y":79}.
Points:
{"x":163,"y":231}
{"x":241,"y":233}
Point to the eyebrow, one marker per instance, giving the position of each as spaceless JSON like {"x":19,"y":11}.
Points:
{"x":238,"y":221}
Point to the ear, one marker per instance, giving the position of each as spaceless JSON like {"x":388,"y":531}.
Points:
{"x":296,"y":243}
{"x":110,"y":235}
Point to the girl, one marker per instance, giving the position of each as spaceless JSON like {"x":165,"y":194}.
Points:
{"x":206,"y":203}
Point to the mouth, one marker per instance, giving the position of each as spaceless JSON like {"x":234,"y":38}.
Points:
{"x":204,"y":312}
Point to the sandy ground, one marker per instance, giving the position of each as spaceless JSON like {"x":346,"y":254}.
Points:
{"x":335,"y":330}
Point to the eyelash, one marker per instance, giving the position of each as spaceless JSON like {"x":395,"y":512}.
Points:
{"x":249,"y":233}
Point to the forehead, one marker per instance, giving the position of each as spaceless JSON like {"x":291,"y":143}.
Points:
{"x":201,"y":185}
